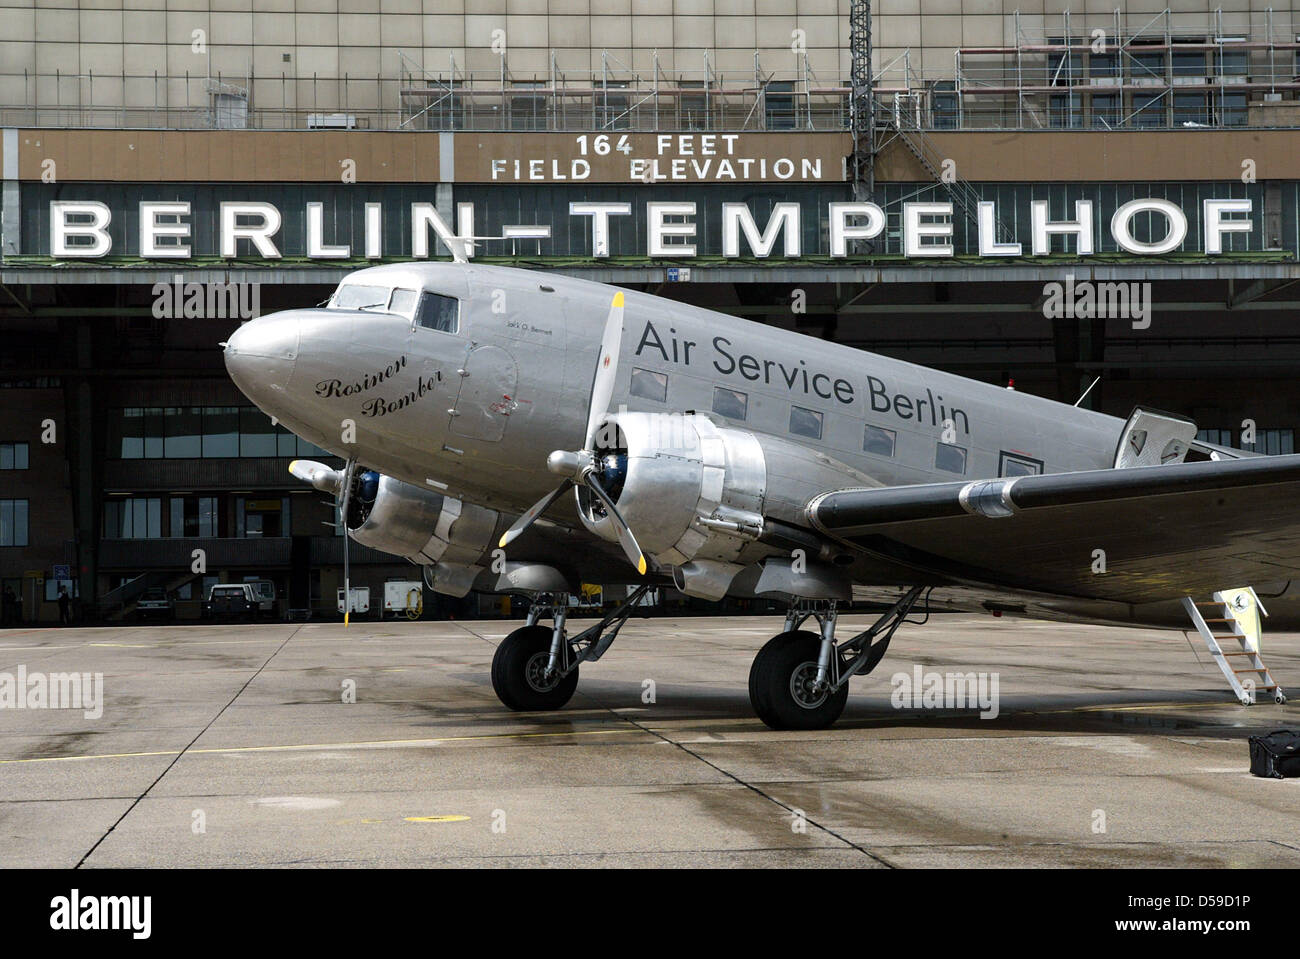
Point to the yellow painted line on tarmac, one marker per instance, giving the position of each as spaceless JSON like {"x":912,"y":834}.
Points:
{"x":1138,"y":706}
{"x":310,"y":747}
{"x":435,"y":818}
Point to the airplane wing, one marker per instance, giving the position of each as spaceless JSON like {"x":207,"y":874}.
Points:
{"x":1137,"y":535}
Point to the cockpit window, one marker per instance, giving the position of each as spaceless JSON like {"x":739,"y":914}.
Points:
{"x":438,"y":312}
{"x":403,"y":302}
{"x":358,"y":296}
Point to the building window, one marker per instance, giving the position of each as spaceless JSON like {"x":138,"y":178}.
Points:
{"x":133,"y":517}
{"x":1148,"y":110}
{"x":950,"y":459}
{"x":221,"y":432}
{"x":1018,"y":464}
{"x":778,"y":102}
{"x":649,"y":385}
{"x":943,"y":104}
{"x":730,"y":403}
{"x":1189,"y":63}
{"x":261,"y":517}
{"x":139,"y":433}
{"x":528,"y":112}
{"x":1232,"y":63}
{"x":257,"y":437}
{"x":1147,"y":68}
{"x":194,"y":516}
{"x":1103,"y":65}
{"x":1065,"y":110}
{"x":183,"y":432}
{"x":878,"y":440}
{"x":1270,"y":442}
{"x":1216,"y":437}
{"x":1273,"y":442}
{"x":1105,"y":111}
{"x":1234,"y":110}
{"x":13,"y":522}
{"x":612,"y":108}
{"x":193,"y":432}
{"x":438,"y":312}
{"x":13,"y":456}
{"x":805,"y":422}
{"x":694,"y":107}
{"x":1191,"y":108}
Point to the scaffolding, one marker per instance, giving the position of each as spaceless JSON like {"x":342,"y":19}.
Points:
{"x":1097,"y":71}
{"x":1109,"y":72}
{"x":617,"y":97}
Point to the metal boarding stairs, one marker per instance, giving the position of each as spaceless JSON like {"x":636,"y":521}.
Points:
{"x":965,"y":198}
{"x":1235,"y":615}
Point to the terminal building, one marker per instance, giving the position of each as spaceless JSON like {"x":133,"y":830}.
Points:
{"x":1097,"y":205}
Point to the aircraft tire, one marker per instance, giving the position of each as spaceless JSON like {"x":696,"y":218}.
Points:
{"x":776,"y":681}
{"x":515,"y":668}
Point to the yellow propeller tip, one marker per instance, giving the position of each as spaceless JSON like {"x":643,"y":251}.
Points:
{"x":292,"y":465}
{"x":618,"y":298}
{"x":640,"y":565}
{"x":501,"y":543}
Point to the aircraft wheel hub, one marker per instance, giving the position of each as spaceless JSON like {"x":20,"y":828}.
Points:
{"x":804,"y":688}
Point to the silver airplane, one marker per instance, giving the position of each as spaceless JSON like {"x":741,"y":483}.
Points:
{"x":728,"y":458}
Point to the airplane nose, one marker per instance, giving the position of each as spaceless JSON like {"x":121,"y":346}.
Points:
{"x":261,"y":354}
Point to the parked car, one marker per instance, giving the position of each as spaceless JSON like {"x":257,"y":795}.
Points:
{"x":231,"y":599}
{"x":155,"y":604}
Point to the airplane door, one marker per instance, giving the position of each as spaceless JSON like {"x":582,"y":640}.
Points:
{"x":487,"y":394}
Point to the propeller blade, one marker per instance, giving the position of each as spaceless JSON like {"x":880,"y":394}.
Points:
{"x":602,"y":386}
{"x":625,"y":537}
{"x":534,"y":511}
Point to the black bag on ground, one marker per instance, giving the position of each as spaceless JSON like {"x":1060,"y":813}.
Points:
{"x":1276,"y":755}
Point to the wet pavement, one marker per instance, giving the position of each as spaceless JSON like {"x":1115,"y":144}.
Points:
{"x":238,"y":745}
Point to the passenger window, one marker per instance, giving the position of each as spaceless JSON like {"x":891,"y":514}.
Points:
{"x":730,"y":403}
{"x":805,"y":422}
{"x":950,"y":459}
{"x":403,"y":302}
{"x":438,"y":312}
{"x":1017,"y":464}
{"x":650,"y":385}
{"x":878,"y":440}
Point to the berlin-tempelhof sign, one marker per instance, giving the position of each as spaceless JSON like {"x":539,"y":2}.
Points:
{"x":81,"y":229}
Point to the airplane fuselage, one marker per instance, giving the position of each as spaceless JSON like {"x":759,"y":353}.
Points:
{"x":477,"y":410}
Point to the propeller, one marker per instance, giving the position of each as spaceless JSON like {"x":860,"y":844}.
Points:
{"x":583,"y":466}
{"x":339,"y":484}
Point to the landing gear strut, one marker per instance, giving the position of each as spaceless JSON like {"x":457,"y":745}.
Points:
{"x":536,"y":668}
{"x":800,"y":679}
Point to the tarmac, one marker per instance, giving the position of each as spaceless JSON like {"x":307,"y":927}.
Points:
{"x":240,"y":745}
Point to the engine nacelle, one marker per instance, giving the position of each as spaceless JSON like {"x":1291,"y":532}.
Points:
{"x":690,"y":490}
{"x":421,"y":525}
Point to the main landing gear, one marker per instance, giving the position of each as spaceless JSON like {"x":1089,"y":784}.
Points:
{"x":536,"y":667}
{"x":800,"y":679}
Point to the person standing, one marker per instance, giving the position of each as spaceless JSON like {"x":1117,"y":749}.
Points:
{"x":65,"y":602}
